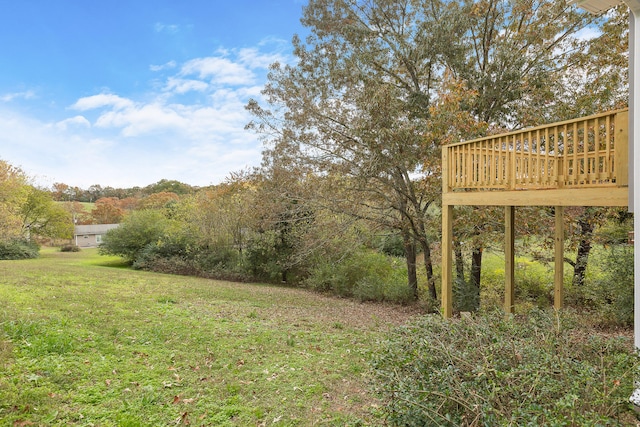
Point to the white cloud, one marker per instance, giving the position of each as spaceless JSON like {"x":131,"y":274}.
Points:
{"x":7,"y":97}
{"x":147,"y":119}
{"x":221,"y":71}
{"x":181,"y":86}
{"x":165,"y":66}
{"x":160,"y":27}
{"x":253,"y":58}
{"x":102,"y":100}
{"x":79,"y":121}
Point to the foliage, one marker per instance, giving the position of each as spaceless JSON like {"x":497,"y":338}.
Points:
{"x":262,"y":257}
{"x":107,"y":210}
{"x":610,"y":296}
{"x":18,"y":249}
{"x":392,"y":245}
{"x":13,"y":194}
{"x":139,"y":229}
{"x":363,"y":274}
{"x":542,"y":369}
{"x":41,"y":216}
{"x":166,"y":185}
{"x":160,"y":200}
{"x":70,"y":248}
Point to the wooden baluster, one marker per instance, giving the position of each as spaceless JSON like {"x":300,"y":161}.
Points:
{"x":585,"y":155}
{"x":608,"y":139}
{"x":546,"y":156}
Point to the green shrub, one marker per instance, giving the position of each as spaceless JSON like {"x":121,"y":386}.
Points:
{"x":392,"y":245}
{"x":610,"y":294}
{"x":365,"y":274}
{"x":262,"y":260}
{"x":533,"y":282}
{"x":493,"y":370}
{"x":135,"y":234}
{"x":70,"y":248}
{"x":19,"y":249}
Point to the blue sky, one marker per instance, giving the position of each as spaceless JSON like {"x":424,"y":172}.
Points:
{"x":124,"y":93}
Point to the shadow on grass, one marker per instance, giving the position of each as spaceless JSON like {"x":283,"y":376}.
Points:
{"x":112,"y":263}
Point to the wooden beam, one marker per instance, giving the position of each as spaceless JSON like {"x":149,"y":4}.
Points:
{"x":621,"y":152}
{"x":558,"y":278}
{"x":509,"y":259}
{"x":447,"y":261}
{"x":594,"y":196}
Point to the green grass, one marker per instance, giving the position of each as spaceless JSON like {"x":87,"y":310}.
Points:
{"x":85,"y":343}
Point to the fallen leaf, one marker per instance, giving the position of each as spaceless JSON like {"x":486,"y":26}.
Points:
{"x":107,"y":382}
{"x":176,"y":399}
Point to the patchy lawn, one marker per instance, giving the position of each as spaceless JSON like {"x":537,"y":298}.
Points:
{"x":83,"y":342}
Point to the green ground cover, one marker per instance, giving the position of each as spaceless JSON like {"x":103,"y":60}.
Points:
{"x":83,"y":342}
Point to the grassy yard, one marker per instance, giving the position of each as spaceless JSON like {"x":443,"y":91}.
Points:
{"x":86,"y":342}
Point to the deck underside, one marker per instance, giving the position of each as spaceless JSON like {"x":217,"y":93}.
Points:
{"x":592,"y":196}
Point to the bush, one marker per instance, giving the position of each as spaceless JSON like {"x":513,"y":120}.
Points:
{"x":366,"y":275}
{"x":493,"y":370}
{"x":393,"y":245}
{"x":533,"y":287}
{"x":262,"y":259}
{"x":70,"y":248}
{"x":610,"y":295}
{"x":19,"y":249}
{"x":135,"y":234}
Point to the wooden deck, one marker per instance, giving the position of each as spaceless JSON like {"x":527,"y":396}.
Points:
{"x":580,"y":162}
{"x":589,"y":153}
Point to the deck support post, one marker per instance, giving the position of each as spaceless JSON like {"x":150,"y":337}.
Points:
{"x":558,"y":278}
{"x":509,"y":259}
{"x":447,"y":261}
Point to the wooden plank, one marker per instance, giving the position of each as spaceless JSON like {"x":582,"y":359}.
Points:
{"x":609,"y":147}
{"x":511,"y":180}
{"x":445,"y":169}
{"x":538,"y":171}
{"x":509,"y":259}
{"x":596,"y":144}
{"x":547,"y":179}
{"x":576,"y":169}
{"x":590,"y":196}
{"x":585,"y":155}
{"x":621,"y":152}
{"x":562,"y":123}
{"x":558,"y":278}
{"x":501,"y":163}
{"x":447,"y":261}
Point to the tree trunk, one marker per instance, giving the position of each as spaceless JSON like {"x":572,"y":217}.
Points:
{"x":476,"y":269}
{"x":410,"y":256}
{"x":457,"y":250}
{"x":585,"y":227}
{"x":428,"y":264}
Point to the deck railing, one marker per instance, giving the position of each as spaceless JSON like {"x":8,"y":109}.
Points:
{"x":586,"y":152}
